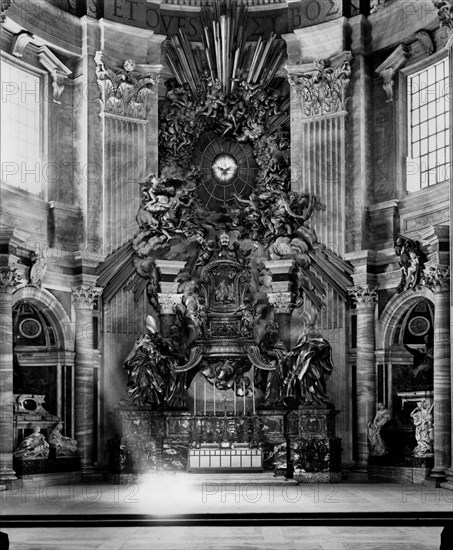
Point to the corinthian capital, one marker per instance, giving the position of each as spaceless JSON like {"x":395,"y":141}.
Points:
{"x":323,"y":89}
{"x":84,"y":296}
{"x":168,"y":302}
{"x":436,"y":277}
{"x":9,"y":279}
{"x":125,"y":90}
{"x":363,"y":296}
{"x":281,"y":301}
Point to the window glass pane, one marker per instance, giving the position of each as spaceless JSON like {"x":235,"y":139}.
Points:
{"x":20,"y":128}
{"x":428,"y":125}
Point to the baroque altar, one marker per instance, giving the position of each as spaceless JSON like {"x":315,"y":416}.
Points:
{"x":212,"y":384}
{"x":226,"y":254}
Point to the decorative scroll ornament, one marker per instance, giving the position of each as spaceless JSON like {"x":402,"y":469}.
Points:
{"x":254,"y":354}
{"x":195,"y":356}
{"x":437,"y":277}
{"x":125,"y":91}
{"x":363,"y":296}
{"x":445,"y":13}
{"x":58,"y":71}
{"x":322,"y":90}
{"x":5,"y":4}
{"x":9,"y":279}
{"x":20,"y":42}
{"x":84,"y":296}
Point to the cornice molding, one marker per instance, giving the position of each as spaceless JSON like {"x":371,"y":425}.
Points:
{"x":321,"y":85}
{"x":125,"y":91}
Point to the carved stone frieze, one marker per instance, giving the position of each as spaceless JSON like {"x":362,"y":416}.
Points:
{"x":323,"y":89}
{"x":125,"y":91}
{"x":445,"y":13}
{"x":436,"y":278}
{"x":85,"y":295}
{"x":9,"y":279}
{"x":376,"y":5}
{"x":363,"y":296}
{"x":5,"y":4}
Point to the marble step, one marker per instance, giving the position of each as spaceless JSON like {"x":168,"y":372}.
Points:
{"x":231,"y":478}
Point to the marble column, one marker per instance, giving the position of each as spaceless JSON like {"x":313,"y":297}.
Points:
{"x":9,"y":280}
{"x":281,"y":302}
{"x":365,"y":298}
{"x":438,"y":279}
{"x":83,"y":299}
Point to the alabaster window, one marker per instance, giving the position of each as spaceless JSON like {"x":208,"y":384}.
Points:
{"x":21,"y":128}
{"x":428,"y":127}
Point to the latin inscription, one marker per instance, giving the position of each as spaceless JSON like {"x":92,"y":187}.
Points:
{"x":282,"y":20}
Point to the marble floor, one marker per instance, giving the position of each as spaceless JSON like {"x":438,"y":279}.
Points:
{"x":167,"y":495}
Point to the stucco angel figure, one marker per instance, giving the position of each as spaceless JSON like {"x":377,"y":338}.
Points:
{"x":309,"y":364}
{"x":375,"y":442}
{"x":33,"y":446}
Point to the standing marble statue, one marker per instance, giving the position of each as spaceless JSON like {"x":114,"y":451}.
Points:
{"x":309,"y":364}
{"x":63,"y":445}
{"x":152,"y":379}
{"x":33,"y":446}
{"x":375,"y":442}
{"x":423,"y":421}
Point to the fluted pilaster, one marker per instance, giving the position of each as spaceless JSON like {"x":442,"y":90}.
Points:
{"x":9,"y":281}
{"x":438,"y":279}
{"x":83,"y":299}
{"x":365,"y":298}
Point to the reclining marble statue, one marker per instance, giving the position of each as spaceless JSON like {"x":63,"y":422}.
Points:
{"x":33,"y":446}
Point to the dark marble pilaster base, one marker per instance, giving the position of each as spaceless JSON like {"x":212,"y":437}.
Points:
{"x":37,"y":466}
{"x":315,"y":451}
{"x":400,"y":469}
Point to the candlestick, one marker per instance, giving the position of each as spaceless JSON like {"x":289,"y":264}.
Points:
{"x":253,"y":394}
{"x":194,"y":398}
{"x":205,"y":396}
{"x":234,"y":398}
{"x":214,"y":394}
{"x":243,"y":389}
